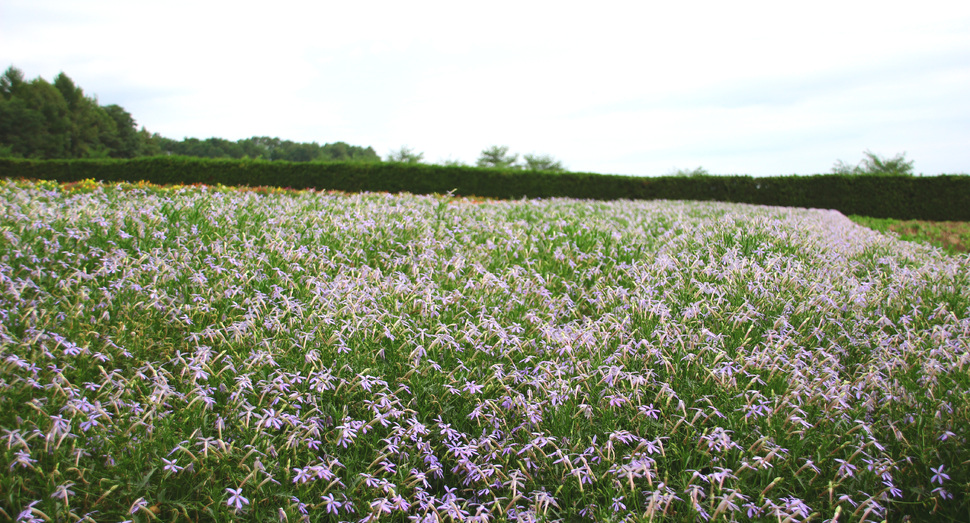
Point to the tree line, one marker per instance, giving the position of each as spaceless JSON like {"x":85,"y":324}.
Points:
{"x":266,"y":148}
{"x":39,"y":119}
{"x":871,"y":165}
{"x":44,"y":120}
{"x":496,"y":156}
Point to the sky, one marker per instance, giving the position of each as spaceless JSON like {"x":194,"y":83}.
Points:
{"x":615,"y":87}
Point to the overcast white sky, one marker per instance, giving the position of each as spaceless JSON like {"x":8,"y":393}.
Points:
{"x":622,"y":87}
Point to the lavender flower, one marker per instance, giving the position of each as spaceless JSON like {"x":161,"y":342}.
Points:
{"x":27,"y":515}
{"x":63,"y":491}
{"x":236,"y":500}
{"x":138,"y":505}
{"x":938,"y":475}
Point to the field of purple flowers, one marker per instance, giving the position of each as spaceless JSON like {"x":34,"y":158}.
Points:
{"x":211,"y":354}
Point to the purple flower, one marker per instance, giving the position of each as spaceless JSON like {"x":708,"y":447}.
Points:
{"x":846,"y":469}
{"x":302,"y":507}
{"x":473,"y":388}
{"x":171,"y":466}
{"x":236,"y":500}
{"x":649,"y":410}
{"x":27,"y":515}
{"x":618,"y":504}
{"x":302,"y":475}
{"x":330,"y":505}
{"x":894,"y":491}
{"x":938,"y":475}
{"x":616,"y":400}
{"x":63,"y":491}
{"x":139,"y":504}
{"x":23,"y":459}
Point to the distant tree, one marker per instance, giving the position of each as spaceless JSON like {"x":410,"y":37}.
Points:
{"x":42,"y":120}
{"x":20,"y":127}
{"x":259,"y":146}
{"x":72,"y":94}
{"x":44,"y":131}
{"x":151,"y":143}
{"x":451,"y":162}
{"x":875,"y":165}
{"x":340,"y":151}
{"x":95,"y":131}
{"x":265,"y":147}
{"x":895,"y":166}
{"x":125,"y":142}
{"x":543,"y":162}
{"x":301,"y":152}
{"x":499,"y":157}
{"x":11,"y":81}
{"x":366,"y":154}
{"x":17,"y":121}
{"x":699,"y":171}
{"x":405,"y":155}
{"x":208,"y":148}
{"x":840,"y":167}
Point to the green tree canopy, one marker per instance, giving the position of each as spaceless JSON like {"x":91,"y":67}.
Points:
{"x":405,"y":155}
{"x":875,"y":165}
{"x":11,"y":82}
{"x":43,"y":120}
{"x":35,"y":117}
{"x":268,"y":148}
{"x":125,"y":142}
{"x":92,"y":129}
{"x":498,"y":156}
{"x":543,"y":162}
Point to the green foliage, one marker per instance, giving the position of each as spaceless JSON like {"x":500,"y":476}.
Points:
{"x":43,"y":120}
{"x":405,"y":155}
{"x":497,"y":156}
{"x":267,"y":148}
{"x":699,"y":171}
{"x":126,"y":142}
{"x":37,"y":122}
{"x":6,"y":151}
{"x":952,"y":237}
{"x":875,"y":165}
{"x":543,"y":162}
{"x":10,"y":82}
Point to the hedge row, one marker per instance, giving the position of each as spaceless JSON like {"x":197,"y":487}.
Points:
{"x":945,"y":197}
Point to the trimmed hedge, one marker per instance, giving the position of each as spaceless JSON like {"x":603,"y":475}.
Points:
{"x":939,"y":198}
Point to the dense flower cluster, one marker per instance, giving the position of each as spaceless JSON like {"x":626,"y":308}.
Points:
{"x":308,"y":356}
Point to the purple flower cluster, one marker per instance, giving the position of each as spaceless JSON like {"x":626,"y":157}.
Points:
{"x":370,"y":356}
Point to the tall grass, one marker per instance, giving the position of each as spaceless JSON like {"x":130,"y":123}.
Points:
{"x":210,"y":354}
